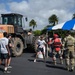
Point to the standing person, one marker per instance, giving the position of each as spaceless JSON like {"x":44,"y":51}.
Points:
{"x":4,"y":51}
{"x":56,"y":43}
{"x":69,"y":43}
{"x":40,"y":47}
{"x":10,"y":48}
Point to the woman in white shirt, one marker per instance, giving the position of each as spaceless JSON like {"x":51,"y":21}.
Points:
{"x":40,"y":47}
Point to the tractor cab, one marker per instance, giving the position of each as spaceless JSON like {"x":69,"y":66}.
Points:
{"x":13,"y":19}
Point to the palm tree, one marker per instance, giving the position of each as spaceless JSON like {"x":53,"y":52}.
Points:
{"x":73,"y":16}
{"x":32,"y":23}
{"x":53,"y":19}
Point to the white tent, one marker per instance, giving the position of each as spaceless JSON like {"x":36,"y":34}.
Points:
{"x":69,"y":25}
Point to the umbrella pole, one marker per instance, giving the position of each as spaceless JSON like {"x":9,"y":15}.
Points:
{"x":47,"y":44}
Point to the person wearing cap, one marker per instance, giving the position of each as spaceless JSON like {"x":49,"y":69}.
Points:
{"x":69,"y":45}
{"x":40,"y":47}
{"x":57,"y":44}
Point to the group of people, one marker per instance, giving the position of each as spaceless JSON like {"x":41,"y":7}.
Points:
{"x":64,"y":47}
{"x":5,"y":51}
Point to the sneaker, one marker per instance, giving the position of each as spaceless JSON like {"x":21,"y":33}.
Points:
{"x":7,"y":71}
{"x":9,"y":67}
{"x":35,"y":60}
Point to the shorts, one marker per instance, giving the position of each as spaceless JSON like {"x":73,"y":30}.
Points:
{"x":10,"y":53}
{"x":40,"y":49}
{"x":4,"y":56}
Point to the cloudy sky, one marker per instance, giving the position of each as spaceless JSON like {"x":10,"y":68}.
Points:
{"x":39,"y":10}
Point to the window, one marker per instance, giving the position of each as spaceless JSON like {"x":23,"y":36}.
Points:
{"x":5,"y":20}
{"x":19,"y":21}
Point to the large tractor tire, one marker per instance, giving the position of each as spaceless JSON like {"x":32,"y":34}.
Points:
{"x":34,"y":43}
{"x":18,"y":47}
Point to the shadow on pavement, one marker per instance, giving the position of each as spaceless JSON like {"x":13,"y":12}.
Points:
{"x":49,"y":62}
{"x":1,"y":69}
{"x":55,"y":66}
{"x":29,"y":49}
{"x":38,"y":60}
{"x":31,"y":60}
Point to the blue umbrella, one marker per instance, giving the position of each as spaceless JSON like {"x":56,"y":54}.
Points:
{"x":49,"y":28}
{"x":69,"y":25}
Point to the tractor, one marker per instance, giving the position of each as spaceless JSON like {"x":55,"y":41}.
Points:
{"x":13,"y":23}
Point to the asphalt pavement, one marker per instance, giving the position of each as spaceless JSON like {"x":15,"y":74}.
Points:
{"x":24,"y":65}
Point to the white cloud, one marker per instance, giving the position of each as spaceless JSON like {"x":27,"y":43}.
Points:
{"x":41,"y":10}
{"x":2,"y":9}
{"x":19,"y":7}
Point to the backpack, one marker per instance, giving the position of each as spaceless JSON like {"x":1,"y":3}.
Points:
{"x":69,"y":42}
{"x":57,"y":44}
